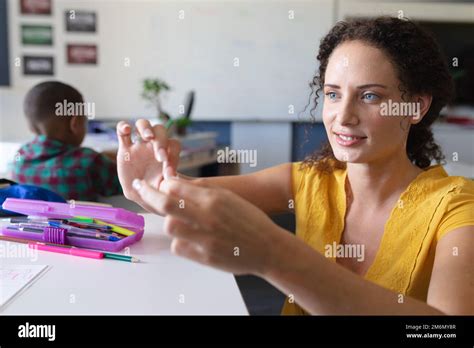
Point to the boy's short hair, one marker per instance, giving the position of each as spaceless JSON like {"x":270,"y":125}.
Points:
{"x":40,"y":101}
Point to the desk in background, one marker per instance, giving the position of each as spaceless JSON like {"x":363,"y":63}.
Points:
{"x":198,"y":150}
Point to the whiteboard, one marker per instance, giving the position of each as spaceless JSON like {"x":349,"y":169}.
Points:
{"x":246,"y":60}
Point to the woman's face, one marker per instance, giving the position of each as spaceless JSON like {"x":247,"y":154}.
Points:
{"x":361,"y":129}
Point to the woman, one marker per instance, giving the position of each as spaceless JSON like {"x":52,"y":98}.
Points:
{"x":379,"y":230}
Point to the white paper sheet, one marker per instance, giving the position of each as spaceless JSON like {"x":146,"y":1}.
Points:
{"x":15,"y":278}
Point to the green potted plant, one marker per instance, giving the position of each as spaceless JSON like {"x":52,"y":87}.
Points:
{"x":178,"y":125}
{"x":152,"y":90}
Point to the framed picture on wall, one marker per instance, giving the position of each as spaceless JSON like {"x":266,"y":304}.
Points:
{"x":81,"y":54}
{"x":81,"y":21}
{"x":37,"y":35}
{"x":4,"y":53}
{"x":38,"y":65}
{"x":37,"y":7}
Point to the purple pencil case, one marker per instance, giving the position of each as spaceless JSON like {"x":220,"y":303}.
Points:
{"x":116,"y":216}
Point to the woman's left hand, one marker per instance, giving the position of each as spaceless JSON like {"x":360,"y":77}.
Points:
{"x":214,"y":226}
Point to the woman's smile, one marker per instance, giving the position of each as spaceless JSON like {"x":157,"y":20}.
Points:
{"x":345,"y":139}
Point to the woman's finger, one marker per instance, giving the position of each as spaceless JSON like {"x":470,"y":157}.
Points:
{"x":157,"y":135}
{"x":144,"y":129}
{"x":170,"y":205}
{"x":185,"y":189}
{"x":160,"y":143}
{"x":187,"y":249}
{"x":124,"y":132}
{"x":170,"y":167}
{"x":177,"y":228}
{"x":158,"y":202}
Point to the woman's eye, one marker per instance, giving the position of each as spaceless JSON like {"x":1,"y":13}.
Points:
{"x":331,"y":95}
{"x":370,"y":96}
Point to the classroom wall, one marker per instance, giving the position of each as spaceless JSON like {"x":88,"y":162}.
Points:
{"x":253,"y":77}
{"x":247,"y":60}
{"x":243,"y":133}
{"x":4,"y":55}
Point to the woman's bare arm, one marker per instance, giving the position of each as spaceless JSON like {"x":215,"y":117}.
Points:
{"x":322,"y":287}
{"x":452,"y":280}
{"x":269,"y":189}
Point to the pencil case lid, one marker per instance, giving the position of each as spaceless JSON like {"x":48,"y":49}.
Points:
{"x":117,"y":216}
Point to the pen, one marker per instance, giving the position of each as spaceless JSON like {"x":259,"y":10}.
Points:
{"x":72,"y":222}
{"x":60,"y":223}
{"x":109,"y":238}
{"x":25,"y":229}
{"x":103,"y":228}
{"x":21,"y":219}
{"x":40,"y":229}
{"x":106,"y":230}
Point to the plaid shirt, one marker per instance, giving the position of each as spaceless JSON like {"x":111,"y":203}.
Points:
{"x":73,"y":172}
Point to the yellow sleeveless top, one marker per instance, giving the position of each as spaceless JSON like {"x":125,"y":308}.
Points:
{"x":432,"y":205}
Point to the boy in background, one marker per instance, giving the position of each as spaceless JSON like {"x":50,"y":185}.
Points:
{"x":55,"y":159}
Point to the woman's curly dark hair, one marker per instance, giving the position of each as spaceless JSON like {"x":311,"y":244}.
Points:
{"x":421,"y":68}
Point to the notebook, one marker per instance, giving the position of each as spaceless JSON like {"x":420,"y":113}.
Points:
{"x":16,"y":278}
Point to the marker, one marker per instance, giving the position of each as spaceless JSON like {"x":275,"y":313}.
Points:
{"x":69,"y":251}
{"x":115,"y":228}
{"x":82,"y":219}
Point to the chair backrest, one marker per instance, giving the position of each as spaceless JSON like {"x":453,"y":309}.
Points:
{"x":189,"y":104}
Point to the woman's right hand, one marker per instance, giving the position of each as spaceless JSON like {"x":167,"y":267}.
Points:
{"x":152,"y":158}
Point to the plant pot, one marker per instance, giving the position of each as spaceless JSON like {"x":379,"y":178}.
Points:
{"x":181,"y":130}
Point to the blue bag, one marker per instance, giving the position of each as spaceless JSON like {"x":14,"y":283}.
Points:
{"x":26,"y":192}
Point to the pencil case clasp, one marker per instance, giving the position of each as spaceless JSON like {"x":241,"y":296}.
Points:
{"x":55,"y":235}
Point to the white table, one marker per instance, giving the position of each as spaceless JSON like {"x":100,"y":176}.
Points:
{"x":161,"y":284}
